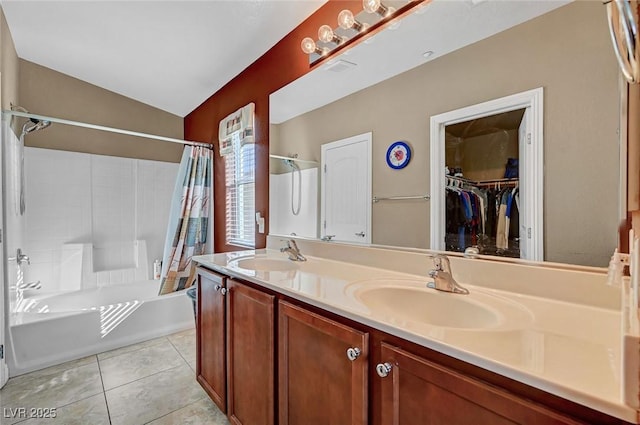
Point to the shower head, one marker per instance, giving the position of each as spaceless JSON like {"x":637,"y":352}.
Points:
{"x":34,"y":125}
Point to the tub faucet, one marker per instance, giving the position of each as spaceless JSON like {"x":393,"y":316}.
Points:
{"x":442,"y":278}
{"x":292,"y":250}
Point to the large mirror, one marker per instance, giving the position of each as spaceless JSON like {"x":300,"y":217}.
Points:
{"x":450,"y":55}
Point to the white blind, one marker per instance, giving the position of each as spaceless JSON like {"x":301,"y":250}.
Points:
{"x":240,"y":198}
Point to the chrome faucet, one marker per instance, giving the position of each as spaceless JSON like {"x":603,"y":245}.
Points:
{"x":292,"y":250}
{"x":442,"y":278}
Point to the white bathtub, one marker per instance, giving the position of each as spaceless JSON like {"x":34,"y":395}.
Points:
{"x":52,"y":329}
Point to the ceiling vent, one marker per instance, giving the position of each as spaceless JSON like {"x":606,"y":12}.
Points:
{"x":341,"y":66}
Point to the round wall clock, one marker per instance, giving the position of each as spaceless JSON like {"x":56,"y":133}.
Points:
{"x":398,"y":155}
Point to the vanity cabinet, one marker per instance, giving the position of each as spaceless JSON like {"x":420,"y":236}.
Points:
{"x":334,"y":370}
{"x":211,"y":364}
{"x":235,"y":348}
{"x":415,"y":390}
{"x":323,"y":367}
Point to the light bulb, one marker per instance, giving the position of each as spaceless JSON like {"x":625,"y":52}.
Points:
{"x":346,"y":19}
{"x":308,"y":45}
{"x":325,"y":33}
{"x":371,"y":6}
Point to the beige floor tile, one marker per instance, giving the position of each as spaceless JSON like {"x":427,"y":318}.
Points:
{"x":92,"y":410}
{"x":130,"y":348}
{"x":153,"y":397}
{"x":185,"y":343}
{"x":134,"y":365}
{"x":201,"y":412}
{"x":51,"y":389}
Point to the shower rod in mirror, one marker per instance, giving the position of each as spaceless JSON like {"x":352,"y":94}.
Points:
{"x":43,"y":118}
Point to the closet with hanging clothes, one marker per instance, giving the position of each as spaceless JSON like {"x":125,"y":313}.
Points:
{"x":482,"y":194}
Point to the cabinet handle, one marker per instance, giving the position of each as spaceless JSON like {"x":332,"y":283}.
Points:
{"x":361,"y":234}
{"x":224,"y":291}
{"x":221,"y":289}
{"x":353,"y":353}
{"x":383,"y":369}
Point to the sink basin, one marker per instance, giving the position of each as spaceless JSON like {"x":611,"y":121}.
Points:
{"x":412,"y":302}
{"x":266,"y":264}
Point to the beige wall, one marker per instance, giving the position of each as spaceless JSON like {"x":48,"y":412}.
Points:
{"x":46,"y":92}
{"x":8,"y":65}
{"x":568,"y":52}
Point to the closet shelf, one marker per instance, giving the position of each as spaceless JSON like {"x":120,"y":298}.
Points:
{"x":490,"y":182}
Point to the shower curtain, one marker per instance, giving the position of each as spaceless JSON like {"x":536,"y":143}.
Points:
{"x":188,"y":220}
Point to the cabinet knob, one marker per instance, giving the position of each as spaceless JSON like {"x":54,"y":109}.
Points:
{"x":383,"y":369}
{"x":353,"y":353}
{"x":224,"y":291}
{"x":221,"y":289}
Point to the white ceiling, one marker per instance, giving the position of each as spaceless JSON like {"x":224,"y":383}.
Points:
{"x":169,"y":54}
{"x":441,"y":27}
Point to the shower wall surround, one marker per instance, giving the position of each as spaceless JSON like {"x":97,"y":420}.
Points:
{"x":282,"y":219}
{"x":107,"y":201}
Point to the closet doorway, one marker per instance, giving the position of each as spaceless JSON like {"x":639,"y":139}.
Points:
{"x":487,"y":178}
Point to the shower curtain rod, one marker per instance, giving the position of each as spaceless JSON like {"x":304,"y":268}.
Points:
{"x":104,"y":128}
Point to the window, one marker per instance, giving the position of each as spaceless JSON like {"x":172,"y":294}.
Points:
{"x":240,"y":191}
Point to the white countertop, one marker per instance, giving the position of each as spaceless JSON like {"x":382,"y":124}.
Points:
{"x":567,"y":349}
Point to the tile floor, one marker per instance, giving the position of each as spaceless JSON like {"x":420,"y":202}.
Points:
{"x":148,"y":383}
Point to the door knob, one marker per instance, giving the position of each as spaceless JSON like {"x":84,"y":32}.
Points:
{"x":353,"y":353}
{"x":383,"y":369}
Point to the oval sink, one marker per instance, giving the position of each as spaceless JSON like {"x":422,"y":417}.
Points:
{"x":266,"y":264}
{"x":435,"y":308}
{"x":413,"y":302}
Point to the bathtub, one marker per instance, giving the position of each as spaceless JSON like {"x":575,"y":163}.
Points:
{"x":51,"y":329}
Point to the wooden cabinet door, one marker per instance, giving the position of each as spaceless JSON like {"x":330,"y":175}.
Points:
{"x":318,"y":383}
{"x":250,"y":354}
{"x":211,"y":366}
{"x":416,"y":391}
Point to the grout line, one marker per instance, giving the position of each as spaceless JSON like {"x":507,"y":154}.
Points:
{"x":145,"y":377}
{"x":179,"y":408}
{"x":179,"y":352}
{"x":133,"y":351}
{"x":104,"y":392}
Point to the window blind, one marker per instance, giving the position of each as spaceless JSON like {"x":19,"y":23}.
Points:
{"x":240,"y":192}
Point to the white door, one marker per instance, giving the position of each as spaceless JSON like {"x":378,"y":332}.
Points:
{"x":345,"y":201}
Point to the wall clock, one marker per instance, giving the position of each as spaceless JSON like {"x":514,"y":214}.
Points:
{"x":398,"y":155}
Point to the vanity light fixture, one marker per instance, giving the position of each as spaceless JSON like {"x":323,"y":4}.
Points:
{"x":326,"y":35}
{"x":366,"y":24}
{"x":346,"y":20}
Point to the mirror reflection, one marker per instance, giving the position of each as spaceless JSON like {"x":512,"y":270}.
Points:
{"x":475,"y":52}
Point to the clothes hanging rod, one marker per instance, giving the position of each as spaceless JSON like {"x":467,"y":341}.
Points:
{"x":400,"y":198}
{"x":105,"y":128}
